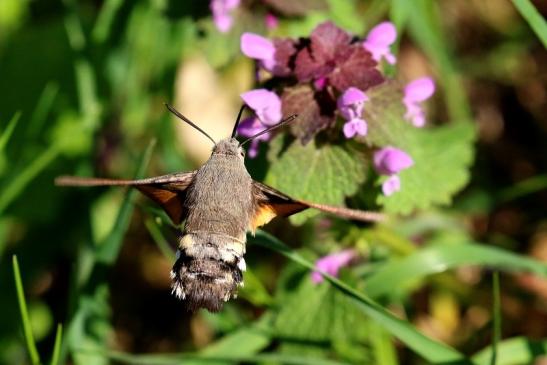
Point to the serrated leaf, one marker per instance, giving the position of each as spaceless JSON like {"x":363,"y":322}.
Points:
{"x":317,"y":313}
{"x":324,"y":174}
{"x":441,"y":155}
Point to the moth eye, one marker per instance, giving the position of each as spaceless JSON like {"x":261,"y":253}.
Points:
{"x":242,"y":153}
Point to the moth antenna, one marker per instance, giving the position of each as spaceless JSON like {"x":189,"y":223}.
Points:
{"x":237,"y":120}
{"x":184,"y":119}
{"x":280,"y":124}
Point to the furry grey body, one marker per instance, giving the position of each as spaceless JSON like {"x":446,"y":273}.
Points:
{"x":219,"y":205}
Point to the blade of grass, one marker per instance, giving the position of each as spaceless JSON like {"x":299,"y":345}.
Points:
{"x":108,"y":249}
{"x":426,"y":347}
{"x":523,"y":188}
{"x":444,"y":257}
{"x":27,"y":329}
{"x":4,"y":138}
{"x":57,"y":345}
{"x":159,"y":239}
{"x":102,"y":27}
{"x":176,"y":359}
{"x":517,"y":350}
{"x":424,"y":23}
{"x":533,"y":18}
{"x":18,"y":184}
{"x":42,"y":109}
{"x":496,"y":311}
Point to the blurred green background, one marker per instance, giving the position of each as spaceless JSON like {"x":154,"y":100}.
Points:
{"x":82,"y":87}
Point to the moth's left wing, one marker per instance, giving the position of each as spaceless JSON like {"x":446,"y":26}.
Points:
{"x":271,"y":202}
{"x":168,"y":191}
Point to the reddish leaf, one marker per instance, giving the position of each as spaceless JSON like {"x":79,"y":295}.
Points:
{"x":328,"y":46}
{"x":358,"y":70}
{"x":285,"y":50}
{"x":315,"y":110}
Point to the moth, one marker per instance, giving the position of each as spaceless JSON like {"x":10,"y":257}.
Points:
{"x":218,"y":203}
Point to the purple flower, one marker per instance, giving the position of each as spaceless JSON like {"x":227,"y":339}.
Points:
{"x":391,"y":185}
{"x":390,"y":160}
{"x":222,"y":13}
{"x":416,"y":92}
{"x":378,"y":41}
{"x":248,"y":128}
{"x":351,"y":103}
{"x":266,"y":105}
{"x":331,"y":264}
{"x":259,"y":48}
{"x":271,"y":21}
{"x":354,"y":127}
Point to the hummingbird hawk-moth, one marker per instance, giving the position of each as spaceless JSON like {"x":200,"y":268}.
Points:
{"x":219,"y":204}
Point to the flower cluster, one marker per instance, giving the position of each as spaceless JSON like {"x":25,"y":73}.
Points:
{"x":325,"y":78}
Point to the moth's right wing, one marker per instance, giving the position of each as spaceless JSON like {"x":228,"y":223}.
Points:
{"x":271,"y":202}
{"x":169,"y":191}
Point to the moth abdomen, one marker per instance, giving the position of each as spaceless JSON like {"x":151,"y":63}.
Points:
{"x":207,"y":272}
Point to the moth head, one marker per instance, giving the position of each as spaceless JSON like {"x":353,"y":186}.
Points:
{"x":229,"y":147}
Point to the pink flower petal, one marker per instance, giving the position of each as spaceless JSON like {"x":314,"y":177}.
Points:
{"x":355,"y":127}
{"x":266,"y":105}
{"x":378,"y":41}
{"x":390,"y":160}
{"x":331,"y":264}
{"x":391,"y":185}
{"x":257,"y":47}
{"x":384,"y":34}
{"x":419,"y":90}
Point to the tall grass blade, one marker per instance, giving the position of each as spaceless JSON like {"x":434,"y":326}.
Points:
{"x":42,"y":109}
{"x":496,"y":311}
{"x":57,"y":345}
{"x":18,"y":184}
{"x":426,"y":347}
{"x":534,"y":19}
{"x":27,"y":329}
{"x":441,"y":258}
{"x":110,"y":246}
{"x":5,"y":136}
{"x":160,"y":240}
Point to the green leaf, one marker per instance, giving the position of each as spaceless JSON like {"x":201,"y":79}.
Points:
{"x":440,"y":258}
{"x":316,"y":313}
{"x":27,"y":328}
{"x":323,"y":174}
{"x":517,"y":350}
{"x":426,"y":347}
{"x":441,"y":155}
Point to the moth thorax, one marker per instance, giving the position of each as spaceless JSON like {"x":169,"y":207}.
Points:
{"x":208,"y":270}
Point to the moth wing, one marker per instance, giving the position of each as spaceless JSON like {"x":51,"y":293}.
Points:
{"x":169,"y":191}
{"x":271,"y":202}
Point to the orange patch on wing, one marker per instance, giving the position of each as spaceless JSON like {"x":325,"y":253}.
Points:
{"x":264,"y":214}
{"x":170,"y":201}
